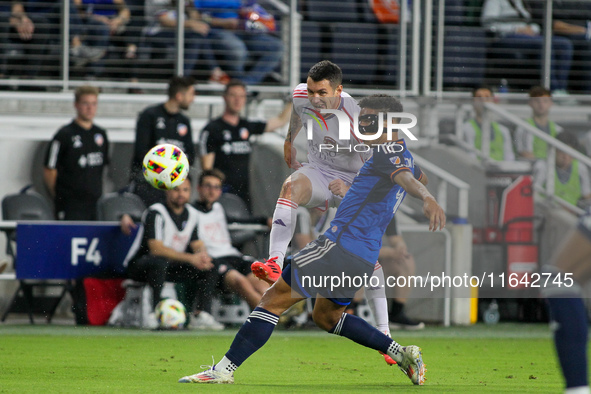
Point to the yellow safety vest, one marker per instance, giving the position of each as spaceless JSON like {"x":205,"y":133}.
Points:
{"x":497,"y":152}
{"x":540,"y":146}
{"x":571,"y":190}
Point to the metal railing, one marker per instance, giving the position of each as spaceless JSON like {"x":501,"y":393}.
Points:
{"x":430,"y":53}
{"x":552,"y":143}
{"x":445,"y":179}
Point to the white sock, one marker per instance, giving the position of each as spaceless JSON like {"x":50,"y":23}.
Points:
{"x":577,"y":390}
{"x":377,"y":301}
{"x":395,"y":351}
{"x":282,"y":230}
{"x":226,"y":365}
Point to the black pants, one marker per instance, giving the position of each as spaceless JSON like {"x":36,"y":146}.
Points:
{"x":155,"y":271}
{"x":70,"y":209}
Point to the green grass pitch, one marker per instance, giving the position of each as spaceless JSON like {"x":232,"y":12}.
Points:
{"x":64,"y":359}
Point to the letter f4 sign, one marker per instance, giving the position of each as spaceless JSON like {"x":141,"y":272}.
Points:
{"x":91,"y":255}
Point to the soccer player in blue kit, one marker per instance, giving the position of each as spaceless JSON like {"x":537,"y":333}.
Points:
{"x":349,"y":248}
{"x":571,"y":270}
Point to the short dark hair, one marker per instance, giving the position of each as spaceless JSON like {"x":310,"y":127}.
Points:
{"x":213,"y":172}
{"x":326,"y":69}
{"x":179,"y":84}
{"x":382,"y":103}
{"x":539,"y":91}
{"x":232,"y":83}
{"x":481,"y":87}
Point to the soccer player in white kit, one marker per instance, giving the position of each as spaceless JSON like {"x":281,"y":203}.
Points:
{"x":332,"y":165}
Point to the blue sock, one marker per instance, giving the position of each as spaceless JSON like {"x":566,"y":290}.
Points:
{"x":570,"y":338}
{"x":253,"y":334}
{"x":360,"y":331}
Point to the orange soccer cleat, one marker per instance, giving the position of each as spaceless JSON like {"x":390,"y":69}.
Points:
{"x":269,"y":271}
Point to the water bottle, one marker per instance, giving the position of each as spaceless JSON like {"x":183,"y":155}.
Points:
{"x":491,"y":314}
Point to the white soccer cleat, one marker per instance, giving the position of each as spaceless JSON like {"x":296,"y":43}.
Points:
{"x":412,"y":364}
{"x":210,"y":375}
{"x":205,"y":321}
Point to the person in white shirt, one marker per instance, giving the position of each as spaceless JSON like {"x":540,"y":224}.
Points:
{"x":232,"y":266}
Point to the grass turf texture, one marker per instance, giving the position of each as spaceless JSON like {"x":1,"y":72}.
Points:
{"x":500,"y":358}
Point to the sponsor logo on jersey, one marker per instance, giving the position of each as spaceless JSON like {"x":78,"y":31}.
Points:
{"x":244,"y":133}
{"x":77,"y":141}
{"x":98,"y":139}
{"x":182,"y":129}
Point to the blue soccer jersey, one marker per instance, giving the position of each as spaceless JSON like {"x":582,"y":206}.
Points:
{"x":372,"y":201}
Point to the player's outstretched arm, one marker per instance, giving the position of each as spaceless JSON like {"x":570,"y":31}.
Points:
{"x":431,"y":208}
{"x":280,"y":120}
{"x":289,"y":151}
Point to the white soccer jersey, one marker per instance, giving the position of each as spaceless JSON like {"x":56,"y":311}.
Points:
{"x":213,"y":231}
{"x":342,"y":156}
{"x":171,"y":236}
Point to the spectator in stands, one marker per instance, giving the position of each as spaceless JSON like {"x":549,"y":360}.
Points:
{"x":160,"y":124}
{"x":397,"y":261}
{"x":571,"y":179}
{"x":529,"y":146}
{"x":572,"y":19}
{"x":238,"y":45}
{"x":103,"y":20}
{"x":232,"y":266}
{"x":225,"y":141}
{"x":171,"y":251}
{"x":501,"y":147}
{"x":510,"y":21}
{"x":161,"y":18}
{"x":75,"y":160}
{"x":35,"y":23}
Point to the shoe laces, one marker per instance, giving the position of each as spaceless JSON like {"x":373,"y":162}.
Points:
{"x":208,"y":367}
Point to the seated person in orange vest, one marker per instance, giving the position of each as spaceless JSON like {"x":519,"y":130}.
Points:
{"x":529,"y":146}
{"x":501,"y":148}
{"x":571,"y":179}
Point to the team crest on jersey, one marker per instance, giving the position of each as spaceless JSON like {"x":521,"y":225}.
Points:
{"x":244,"y":133}
{"x":77,"y":141}
{"x":227,"y":135}
{"x":182,"y":129}
{"x":160,"y":123}
{"x":98,"y":139}
{"x":395,"y":160}
{"x":329,"y":141}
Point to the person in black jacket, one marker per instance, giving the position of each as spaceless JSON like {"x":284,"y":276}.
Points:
{"x":163,"y":124}
{"x":75,"y":160}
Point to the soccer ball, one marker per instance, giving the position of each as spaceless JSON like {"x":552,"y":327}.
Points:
{"x":165,"y":166}
{"x":170,"y":314}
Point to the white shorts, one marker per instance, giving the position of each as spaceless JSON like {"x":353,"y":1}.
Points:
{"x":321,"y":197}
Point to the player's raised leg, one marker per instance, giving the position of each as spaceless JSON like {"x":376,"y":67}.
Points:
{"x":296,"y":190}
{"x":253,"y":334}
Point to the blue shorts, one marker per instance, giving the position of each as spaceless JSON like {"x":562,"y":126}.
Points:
{"x":326,"y":269}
